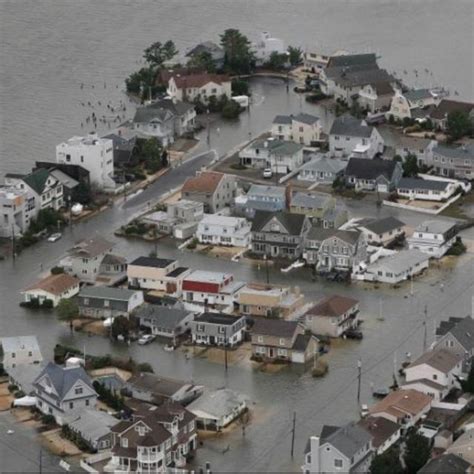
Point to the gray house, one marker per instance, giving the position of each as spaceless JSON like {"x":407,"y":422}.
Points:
{"x":373,"y":175}
{"x":454,"y":162}
{"x":218,"y":329}
{"x":261,"y":197}
{"x":279,"y":234}
{"x":105,"y":302}
{"x":215,"y":52}
{"x":95,"y":427}
{"x":322,"y":169}
{"x":339,"y":449}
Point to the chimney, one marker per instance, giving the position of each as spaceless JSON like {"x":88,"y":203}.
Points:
{"x":314,"y":451}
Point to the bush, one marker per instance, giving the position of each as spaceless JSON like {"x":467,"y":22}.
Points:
{"x":12,"y":388}
{"x":48,"y":420}
{"x":57,"y":270}
{"x":240,"y":87}
{"x":19,"y":394}
{"x":231,"y":110}
{"x":458,"y":248}
{"x":145,"y":367}
{"x":193,"y":244}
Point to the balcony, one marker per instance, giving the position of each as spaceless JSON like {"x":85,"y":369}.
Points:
{"x":149,"y":458}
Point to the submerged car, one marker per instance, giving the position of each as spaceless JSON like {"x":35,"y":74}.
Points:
{"x":146,"y":339}
{"x":55,"y":237}
{"x":267,"y":173}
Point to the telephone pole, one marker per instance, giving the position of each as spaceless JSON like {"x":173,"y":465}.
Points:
{"x":293,"y":434}
{"x":359,"y":376}
{"x":225,"y":350}
{"x":41,"y":461}
{"x":425,"y":335}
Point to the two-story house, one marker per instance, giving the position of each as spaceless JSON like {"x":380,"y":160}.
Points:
{"x":376,"y":96}
{"x":20,"y":351}
{"x":434,"y":238}
{"x":218,"y":329}
{"x":439,"y":116}
{"x":411,"y":104}
{"x":280,"y":156}
{"x":312,"y":204}
{"x":332,"y":316}
{"x":215,"y":229}
{"x":322,"y":169}
{"x":435,"y":373}
{"x":280,"y":340}
{"x":453,"y":161}
{"x":351,"y":137}
{"x":52,"y":288}
{"x":199,"y":86}
{"x":261,"y":198}
{"x":15,"y":211}
{"x":372,"y":175}
{"x":279,"y":234}
{"x":63,"y":392}
{"x":105,"y":302}
{"x":339,"y":449}
{"x":215,"y":190}
{"x":302,"y":128}
{"x":385,"y":433}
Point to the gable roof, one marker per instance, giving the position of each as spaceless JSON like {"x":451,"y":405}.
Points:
{"x":418,"y":183}
{"x":418,"y":94}
{"x":218,"y":403}
{"x":308,"y":119}
{"x":162,"y":316}
{"x":401,"y":402}
{"x":206,"y":182}
{"x":379,"y":428}
{"x":91,"y":248}
{"x":325,"y":164}
{"x":293,"y":223}
{"x":274,"y":327}
{"x":277,"y":147}
{"x":106,"y":292}
{"x":463,"y":152}
{"x":199,"y":80}
{"x":18,"y":343}
{"x":446,"y":464}
{"x":310,"y":200}
{"x":37,"y":179}
{"x":348,"y":439}
{"x":332,"y":306}
{"x":153,"y":262}
{"x":440,"y":359}
{"x":364,"y":168}
{"x":319,"y":234}
{"x":447,"y":106}
{"x":359,"y":76}
{"x":163,"y":108}
{"x":157,"y":385}
{"x":55,"y":284}
{"x":350,"y":126}
{"x":282,"y":119}
{"x":345,"y":60}
{"x":380,"y":226}
{"x":463,"y":331}
{"x":267,"y":190}
{"x":383,"y":88}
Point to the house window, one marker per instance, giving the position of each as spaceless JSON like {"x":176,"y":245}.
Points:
{"x":260,"y":339}
{"x":88,"y":402}
{"x":13,"y":355}
{"x":78,"y":391}
{"x":282,"y":352}
{"x":338,"y":463}
{"x":71,"y":405}
{"x":106,"y":303}
{"x":124,"y":443}
{"x":282,"y":342}
{"x":435,"y":377}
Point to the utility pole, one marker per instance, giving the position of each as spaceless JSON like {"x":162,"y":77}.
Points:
{"x":293,"y":434}
{"x":359,"y":376}
{"x":225,"y":349}
{"x":425,"y":335}
{"x":13,"y":242}
{"x":266,"y":269}
{"x":41,"y":461}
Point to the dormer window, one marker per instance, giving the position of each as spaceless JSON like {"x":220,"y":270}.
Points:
{"x":124,"y":443}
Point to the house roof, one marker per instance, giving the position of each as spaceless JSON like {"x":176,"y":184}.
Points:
{"x":423,"y":381}
{"x":177,"y":271}
{"x":463,"y":331}
{"x":106,"y":292}
{"x":205,"y":46}
{"x":91,"y":248}
{"x":218,"y":318}
{"x":350,"y":126}
{"x":348,"y":439}
{"x":112,"y":259}
{"x":463,"y":152}
{"x":282,"y":119}
{"x":332,"y":306}
{"x":157,"y":385}
{"x":153,"y":262}
{"x":345,"y":60}
{"x":400,"y":261}
{"x":386,"y":224}
{"x":217,"y":403}
{"x":302,"y":341}
{"x":199,"y":80}
{"x":383,"y":88}
{"x":358,"y":76}
{"x":274,"y":327}
{"x":401,"y":402}
{"x":162,"y":109}
{"x":308,"y":119}
{"x":18,"y":343}
{"x":63,"y":378}
{"x":319,"y":234}
{"x":310,"y":200}
{"x":205,"y":182}
{"x":37,"y":179}
{"x":24,"y":375}
{"x":363,"y":168}
{"x":464,"y":446}
{"x":93,"y":424}
{"x":148,"y":113}
{"x":418,"y":94}
{"x":208,"y":276}
{"x":64,"y":178}
{"x":265,"y":190}
{"x":447,"y":106}
{"x":446,"y":463}
{"x":277,"y":147}
{"x":156,"y":435}
{"x":418,"y":183}
{"x":162,"y":316}
{"x":379,"y":428}
{"x":409,"y":142}
{"x":325,"y":164}
{"x":440,"y":359}
{"x":435,"y":227}
{"x":292,"y":222}
{"x":55,"y":284}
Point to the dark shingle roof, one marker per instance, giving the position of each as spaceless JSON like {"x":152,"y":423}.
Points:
{"x":163,"y":110}
{"x":152,"y":262}
{"x":463,"y":331}
{"x":350,"y":126}
{"x":274,"y":327}
{"x":306,"y":118}
{"x":447,"y":106}
{"x":363,"y":168}
{"x":418,"y":94}
{"x":334,"y":305}
{"x":282,"y":119}
{"x":348,"y":439}
{"x":319,"y":234}
{"x":379,"y":428}
{"x":386,"y":224}
{"x":292,"y":222}
{"x":352,"y":60}
{"x":164,"y":317}
{"x":218,"y":318}
{"x":446,"y":464}
{"x":37,"y":179}
{"x":417,"y":183}
{"x":465,"y":152}
{"x":301,"y":342}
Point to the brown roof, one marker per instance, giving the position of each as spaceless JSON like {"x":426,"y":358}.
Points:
{"x":199,"y":80}
{"x":439,"y":359}
{"x":274,"y":327}
{"x":205,"y":182}
{"x":380,"y":428}
{"x":332,"y":306}
{"x":383,"y":88}
{"x":446,"y":106}
{"x":55,"y":284}
{"x":164,"y":75}
{"x":91,"y":248}
{"x":400,"y":402}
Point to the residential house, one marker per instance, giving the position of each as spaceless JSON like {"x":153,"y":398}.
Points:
{"x":165,"y":120}
{"x":261,"y":198}
{"x":15,"y":211}
{"x":385,"y":433}
{"x":316,"y":61}
{"x":123,"y":146}
{"x":435,"y":373}
{"x":94,"y":427}
{"x":454,"y":161}
{"x":412,"y":104}
{"x":24,"y":375}
{"x":463,"y":446}
{"x":281,"y":156}
{"x":434,"y":238}
{"x":335,"y":217}
{"x":351,"y":137}
{"x":381,"y":231}
{"x":211,"y":288}
{"x":169,"y":323}
{"x":446,"y":463}
{"x":332,"y":316}
{"x":44,"y":191}
{"x":439,"y":116}
{"x":405,"y":407}
{"x":159,"y":390}
{"x":322,"y":169}
{"x":279,"y":234}
{"x":279,"y":340}
{"x":215,"y":229}
{"x":63,"y":392}
{"x":373,"y":175}
{"x":258,"y":299}
{"x":215,"y":190}
{"x":334,"y":249}
{"x":200,"y":87}
{"x":218,"y":329}
{"x":93,"y":153}
{"x":104,"y":302}
{"x":421,"y":147}
{"x":157,"y":274}
{"x":311,"y":204}
{"x":302,"y":128}
{"x":20,"y":351}
{"x":52,"y":288}
{"x":398,"y":267}
{"x":376,"y":96}
{"x":267,"y":45}
{"x":215,"y":52}
{"x":456,"y":336}
{"x":426,"y":189}
{"x":216,"y":409}
{"x":339,"y":449}
{"x":112,"y":269}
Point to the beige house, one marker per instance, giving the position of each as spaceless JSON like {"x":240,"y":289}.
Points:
{"x":257,"y":299}
{"x":53,"y":288}
{"x":201,"y":87}
{"x":302,"y":128}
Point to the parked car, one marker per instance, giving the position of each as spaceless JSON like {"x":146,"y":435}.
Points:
{"x":146,"y":339}
{"x":55,"y":237}
{"x":267,"y":173}
{"x":353,"y":334}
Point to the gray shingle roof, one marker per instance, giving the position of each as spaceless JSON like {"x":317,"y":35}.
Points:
{"x":17,"y":343}
{"x":348,"y":439}
{"x":308,"y":119}
{"x":417,"y":183}
{"x":465,"y":152}
{"x":121,"y":294}
{"x":218,"y":403}
{"x":277,"y":147}
{"x":282,"y":119}
{"x":362,"y":168}
{"x":435,"y":227}
{"x":292,"y":222}
{"x":350,"y":126}
{"x":93,"y":424}
{"x":324,"y":164}
{"x":319,"y":234}
{"x":418,"y":94}
{"x":346,"y":60}
{"x":164,"y":109}
{"x":164,"y":317}
{"x":274,"y":327}
{"x":91,"y":247}
{"x":359,"y":76}
{"x":463,"y":331}
{"x":264,"y":190}
{"x":386,"y":224}
{"x":310,"y":200}
{"x":446,"y":464}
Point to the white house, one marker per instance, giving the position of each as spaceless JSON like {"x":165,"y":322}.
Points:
{"x":20,"y":351}
{"x":201,"y":87}
{"x":317,"y":60}
{"x":52,"y":288}
{"x":15,"y":211}
{"x":409,"y":104}
{"x":426,"y":189}
{"x":224,"y":230}
{"x":267,"y":45}
{"x":302,"y":128}
{"x":322,"y":169}
{"x":94,"y":154}
{"x":351,"y":137}
{"x":381,"y":231}
{"x":376,"y":96}
{"x":281,"y":156}
{"x":434,"y":238}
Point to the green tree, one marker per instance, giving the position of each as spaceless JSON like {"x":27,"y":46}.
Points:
{"x":203,"y":60}
{"x":164,"y":159}
{"x":150,"y":153}
{"x":240,"y":87}
{"x":387,"y":462}
{"x":458,"y":125}
{"x":295,"y":55}
{"x":120,"y":327}
{"x":140,"y":82}
{"x":410,"y":165}
{"x":277,"y":61}
{"x":417,"y":452}
{"x":158,"y":53}
{"x":238,"y":57}
{"x":81,"y":194}
{"x":67,"y":310}
{"x":468,"y":385}
{"x":231,"y":110}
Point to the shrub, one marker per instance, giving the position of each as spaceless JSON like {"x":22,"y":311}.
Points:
{"x":12,"y":388}
{"x":231,"y":110}
{"x":193,"y":244}
{"x":19,"y":394}
{"x":240,"y":87}
{"x":458,"y":248}
{"x":48,"y":420}
{"x":145,"y":367}
{"x":57,"y":270}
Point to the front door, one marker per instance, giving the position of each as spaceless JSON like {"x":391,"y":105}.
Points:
{"x":274,"y":251}
{"x":271,"y":353}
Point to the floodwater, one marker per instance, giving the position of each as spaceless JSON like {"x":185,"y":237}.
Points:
{"x":48,"y":51}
